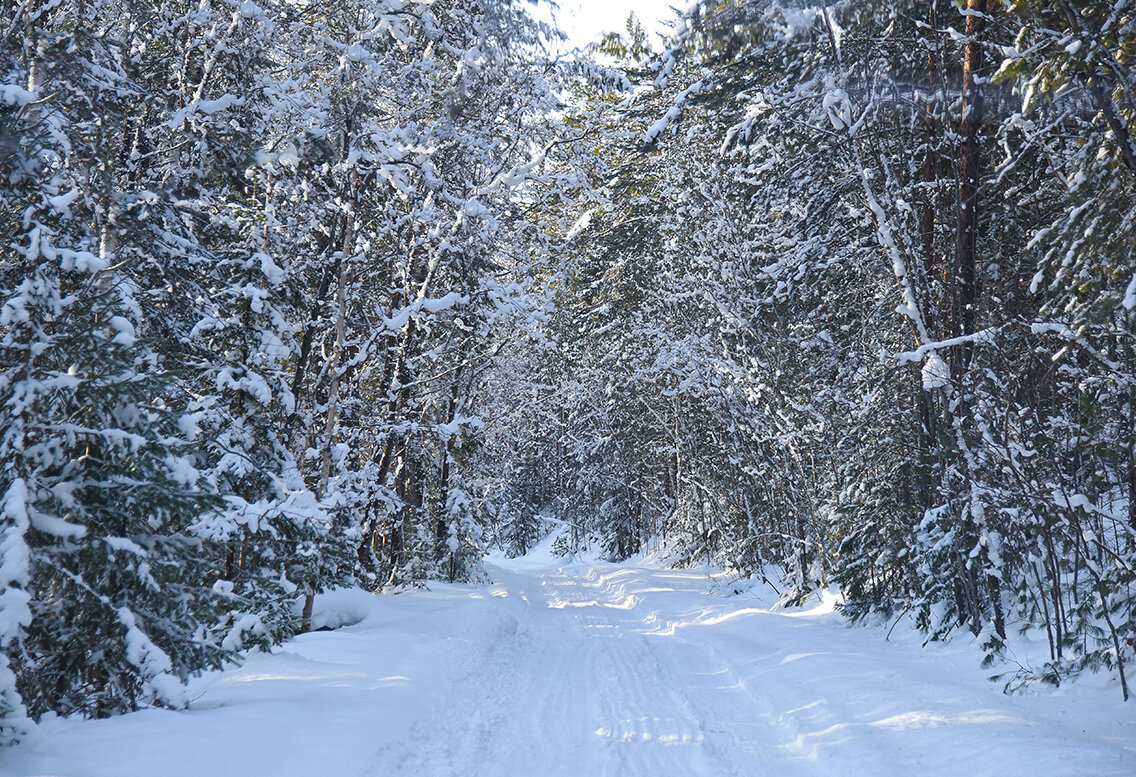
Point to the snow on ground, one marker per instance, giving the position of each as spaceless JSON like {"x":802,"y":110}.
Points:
{"x":589,"y":669}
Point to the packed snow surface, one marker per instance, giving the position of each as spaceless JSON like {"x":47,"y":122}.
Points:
{"x":590,"y":669}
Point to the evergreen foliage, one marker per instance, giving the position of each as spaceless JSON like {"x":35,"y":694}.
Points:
{"x":853,"y":298}
{"x":299,"y":295}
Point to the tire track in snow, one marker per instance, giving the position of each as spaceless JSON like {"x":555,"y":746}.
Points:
{"x":621,"y":672}
{"x":648,"y":726}
{"x":517,"y":710}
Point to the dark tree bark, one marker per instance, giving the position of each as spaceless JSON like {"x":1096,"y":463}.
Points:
{"x":970,"y":167}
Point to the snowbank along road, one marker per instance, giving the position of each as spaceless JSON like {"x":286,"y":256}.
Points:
{"x":597,"y":670}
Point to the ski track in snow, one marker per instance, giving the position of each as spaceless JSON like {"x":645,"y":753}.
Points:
{"x":597,"y":670}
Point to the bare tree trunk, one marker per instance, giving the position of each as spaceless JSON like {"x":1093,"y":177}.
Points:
{"x":970,"y":163}
{"x":310,"y":330}
{"x":336,"y":358}
{"x":34,"y":55}
{"x":333,"y":389}
{"x":926,"y":436}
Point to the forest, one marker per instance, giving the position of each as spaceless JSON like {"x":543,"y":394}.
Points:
{"x":298,"y":295}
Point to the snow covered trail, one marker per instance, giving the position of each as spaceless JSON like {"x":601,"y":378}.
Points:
{"x":597,"y":670}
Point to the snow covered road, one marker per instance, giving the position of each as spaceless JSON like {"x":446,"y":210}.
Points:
{"x":597,"y":670}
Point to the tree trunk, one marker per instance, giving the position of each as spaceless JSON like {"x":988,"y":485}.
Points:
{"x":973,"y":78}
{"x":333,"y":390}
{"x":336,"y":359}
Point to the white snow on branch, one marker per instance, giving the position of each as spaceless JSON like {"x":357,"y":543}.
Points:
{"x":61,"y":203}
{"x":1075,"y":501}
{"x":581,"y":224}
{"x":838,"y":107}
{"x":401,"y":317}
{"x":795,"y":20}
{"x":56,"y":526}
{"x":248,"y":624}
{"x":13,"y":94}
{"x":15,"y":563}
{"x":936,"y":372}
{"x":457,"y":425}
{"x":660,"y":126}
{"x":910,"y":306}
{"x":124,"y":331}
{"x":204,"y":107}
{"x":152,"y":662}
{"x":125,"y":545}
{"x":909,"y":357}
{"x":1130,"y":294}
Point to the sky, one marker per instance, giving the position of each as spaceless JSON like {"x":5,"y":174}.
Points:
{"x":585,"y":20}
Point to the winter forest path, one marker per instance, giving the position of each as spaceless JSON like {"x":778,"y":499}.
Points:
{"x":597,"y":670}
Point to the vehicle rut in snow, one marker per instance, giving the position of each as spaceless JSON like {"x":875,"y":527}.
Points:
{"x":590,"y":669}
